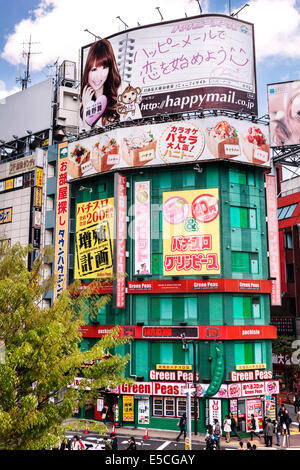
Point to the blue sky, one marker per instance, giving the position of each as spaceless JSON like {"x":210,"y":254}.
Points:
{"x":57,"y":26}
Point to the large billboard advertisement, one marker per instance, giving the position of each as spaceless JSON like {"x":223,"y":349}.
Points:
{"x":284,"y":111}
{"x":211,"y":138}
{"x":191,"y":232}
{"x":203,"y":62}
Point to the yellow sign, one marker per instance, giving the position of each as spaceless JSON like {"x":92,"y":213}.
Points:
{"x":187,"y":443}
{"x":128,"y":408}
{"x":191,"y":232}
{"x":250,"y":366}
{"x":173,"y":367}
{"x":39,"y":177}
{"x":9,"y":184}
{"x":94,"y":239}
{"x":5,"y":215}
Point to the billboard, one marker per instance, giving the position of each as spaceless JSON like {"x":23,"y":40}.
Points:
{"x":142,"y":243}
{"x":211,"y":138}
{"x":191,"y":232}
{"x":28,"y":109}
{"x":284,"y":107}
{"x":202,"y":62}
{"x":94,"y":239}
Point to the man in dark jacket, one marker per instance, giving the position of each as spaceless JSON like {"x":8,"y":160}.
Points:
{"x":114,"y":441}
{"x":182,"y":425}
{"x":233,"y":426}
{"x":269,"y":431}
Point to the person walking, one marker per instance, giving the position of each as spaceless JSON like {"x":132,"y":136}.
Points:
{"x":132,"y":444}
{"x":218,"y":433}
{"x":76,"y":444}
{"x":114,"y":441}
{"x":269,"y":430}
{"x":182,"y":426}
{"x":104,"y":413}
{"x":227,"y":427}
{"x":253,"y":428}
{"x":234,"y":426}
{"x":264,"y":425}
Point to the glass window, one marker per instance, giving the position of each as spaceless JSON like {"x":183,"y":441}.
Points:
{"x":240,"y":262}
{"x":286,"y":211}
{"x":157,"y":406}
{"x":170,"y":407}
{"x":288,"y":238}
{"x":255,"y":307}
{"x":291,"y":210}
{"x":181,"y":406}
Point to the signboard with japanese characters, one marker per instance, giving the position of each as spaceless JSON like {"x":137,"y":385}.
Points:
{"x":128,"y":408}
{"x":120,"y":230}
{"x":202,"y":62}
{"x":191,"y":232}
{"x":6,"y":215}
{"x":94,"y":239}
{"x":197,"y":140}
{"x":142,"y":241}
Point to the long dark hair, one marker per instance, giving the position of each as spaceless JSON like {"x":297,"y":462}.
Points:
{"x":101,"y":54}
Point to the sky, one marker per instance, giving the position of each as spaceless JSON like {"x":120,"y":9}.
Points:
{"x":57,"y":32}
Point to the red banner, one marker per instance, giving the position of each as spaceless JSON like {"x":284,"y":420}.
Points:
{"x":120,"y":245}
{"x":273,"y":238}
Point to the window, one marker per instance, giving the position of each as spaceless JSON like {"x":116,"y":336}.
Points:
{"x":157,"y":406}
{"x":181,"y":406}
{"x":241,"y":176}
{"x":169,"y":407}
{"x":245,"y":307}
{"x":248,"y":353}
{"x":242,"y":217}
{"x":288,"y":240}
{"x":242,"y":262}
{"x":286,"y":211}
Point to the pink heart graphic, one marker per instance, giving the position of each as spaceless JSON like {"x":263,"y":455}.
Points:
{"x":95,"y":109}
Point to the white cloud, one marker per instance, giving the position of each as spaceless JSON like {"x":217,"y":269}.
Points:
{"x":277,"y":27}
{"x":58,"y":25}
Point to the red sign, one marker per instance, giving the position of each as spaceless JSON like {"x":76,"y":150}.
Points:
{"x":273,"y":238}
{"x":120,"y":242}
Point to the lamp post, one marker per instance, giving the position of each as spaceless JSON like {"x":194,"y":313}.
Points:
{"x":185,"y":347}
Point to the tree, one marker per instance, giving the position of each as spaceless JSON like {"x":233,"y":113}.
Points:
{"x":283,"y":345}
{"x":43,"y":357}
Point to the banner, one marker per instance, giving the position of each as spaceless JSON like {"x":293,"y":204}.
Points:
{"x":128,"y":408}
{"x":191,"y":232}
{"x":143,"y":411}
{"x":94,"y":239}
{"x":254,"y":407}
{"x":62,"y":222}
{"x":142,"y":241}
{"x":215,"y":411}
{"x":203,"y":62}
{"x":197,"y":140}
{"x":119,"y":263}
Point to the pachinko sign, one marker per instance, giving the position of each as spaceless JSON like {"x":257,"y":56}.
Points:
{"x":142,"y":254}
{"x":203,"y":62}
{"x":191,"y":232}
{"x":94,"y":239}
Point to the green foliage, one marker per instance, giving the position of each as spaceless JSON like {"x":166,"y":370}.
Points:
{"x":43,"y":355}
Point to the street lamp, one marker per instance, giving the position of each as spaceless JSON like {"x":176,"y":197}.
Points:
{"x":185,"y":347}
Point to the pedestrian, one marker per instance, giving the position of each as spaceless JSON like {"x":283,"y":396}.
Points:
{"x":104,"y":413}
{"x":269,"y":430}
{"x":254,"y":428}
{"x":241,"y":445}
{"x":298,"y":419}
{"x":233,"y":426}
{"x":278,"y":432}
{"x":76,"y":444}
{"x":282,"y":414}
{"x":209,"y":438}
{"x":249,"y":446}
{"x":114,"y":441}
{"x":107,"y":444}
{"x":264,"y":425}
{"x":217,"y":432}
{"x":254,"y":447}
{"x":132,"y":444}
{"x":296,"y":403}
{"x":227,"y":427}
{"x":182,"y":426}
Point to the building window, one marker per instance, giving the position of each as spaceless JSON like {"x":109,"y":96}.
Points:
{"x":157,"y":406}
{"x":248,"y":353}
{"x":241,"y":176}
{"x":245,"y":307}
{"x":288,"y":240}
{"x":170,"y":407}
{"x":242,"y":217}
{"x":243,"y":262}
{"x":286,"y":211}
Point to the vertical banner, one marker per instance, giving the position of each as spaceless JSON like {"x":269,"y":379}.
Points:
{"x":128,"y":408}
{"x":142,"y":253}
{"x":62,"y":222}
{"x":119,"y":260}
{"x":143,"y":411}
{"x":94,"y":239}
{"x":273,"y":239}
{"x":191,"y":232}
{"x":215,"y":411}
{"x":254,"y":406}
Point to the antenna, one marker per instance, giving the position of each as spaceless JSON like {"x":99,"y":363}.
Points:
{"x":199,"y":6}
{"x":26,"y":79}
{"x":95,"y":35}
{"x":126,"y":25}
{"x":161,"y":17}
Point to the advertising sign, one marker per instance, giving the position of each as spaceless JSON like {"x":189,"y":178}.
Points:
{"x":6,"y":215}
{"x":143,"y":411}
{"x":191,"y":232}
{"x":119,"y":263}
{"x":62,"y":222}
{"x":128,"y":408}
{"x":94,"y":239}
{"x":203,"y":62}
{"x":215,"y":411}
{"x":22,"y":165}
{"x":39,"y":177}
{"x":283,"y":101}
{"x":254,"y":407}
{"x":210,"y":138}
{"x":142,"y":253}
{"x":273,"y":239}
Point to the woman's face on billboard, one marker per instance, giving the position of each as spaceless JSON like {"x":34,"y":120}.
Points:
{"x":97,"y":77}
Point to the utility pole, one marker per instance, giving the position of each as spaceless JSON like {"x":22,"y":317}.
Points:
{"x":26,"y":79}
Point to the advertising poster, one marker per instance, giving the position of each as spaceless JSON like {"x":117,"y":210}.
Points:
{"x":142,"y":253}
{"x":62,"y":222}
{"x":215,"y":411}
{"x":119,"y":256}
{"x":128,"y":408}
{"x":94,"y":239}
{"x":191,"y":232}
{"x":254,"y":406}
{"x":203,"y":62}
{"x":143,"y":411}
{"x":197,"y":140}
{"x":283,"y":101}
{"x":6,"y":215}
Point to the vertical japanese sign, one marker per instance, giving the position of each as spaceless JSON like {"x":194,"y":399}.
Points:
{"x":191,"y":232}
{"x":215,"y":411}
{"x":94,"y":239}
{"x":273,"y":239}
{"x":62,"y":222}
{"x":254,"y":406}
{"x":143,"y":411}
{"x":128,"y":408}
{"x":120,"y":241}
{"x":142,"y":254}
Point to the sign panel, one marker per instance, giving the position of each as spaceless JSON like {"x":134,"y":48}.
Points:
{"x":119,"y":264}
{"x":94,"y":239}
{"x":191,"y":232}
{"x":62,"y":222}
{"x":142,"y":241}
{"x":39,"y":177}
{"x":203,"y":62}
{"x":143,"y":411}
{"x":21,"y":165}
{"x":283,"y":101}
{"x":273,"y":239}
{"x":210,"y":138}
{"x":5,"y":215}
{"x":254,"y":407}
{"x":128,"y":408}
{"x":215,"y":411}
